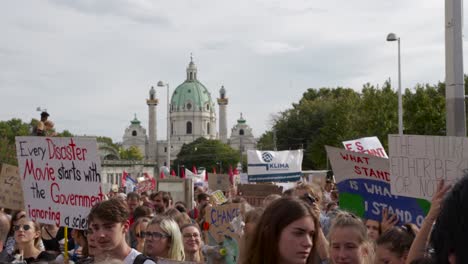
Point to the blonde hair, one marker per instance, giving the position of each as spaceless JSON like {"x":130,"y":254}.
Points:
{"x":345,"y":219}
{"x":170,"y":227}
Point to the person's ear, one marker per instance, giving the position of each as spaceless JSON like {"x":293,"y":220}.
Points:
{"x":126,"y":226}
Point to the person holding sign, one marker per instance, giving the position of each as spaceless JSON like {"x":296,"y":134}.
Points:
{"x":286,"y":233}
{"x":27,"y":237}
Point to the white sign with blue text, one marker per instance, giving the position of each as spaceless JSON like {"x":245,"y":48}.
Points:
{"x":274,"y":166}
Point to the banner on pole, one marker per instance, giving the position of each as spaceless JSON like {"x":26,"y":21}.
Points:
{"x":274,"y":166}
{"x":61,"y":179}
{"x":364,"y":185}
{"x":418,"y":163}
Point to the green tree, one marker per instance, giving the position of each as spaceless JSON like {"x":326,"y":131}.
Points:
{"x":207,"y":153}
{"x":8,"y":131}
{"x":132,"y":153}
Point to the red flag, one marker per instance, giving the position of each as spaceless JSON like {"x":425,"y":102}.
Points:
{"x":161,"y":175}
{"x":182,"y":173}
{"x":236,"y":171}
{"x":206,"y":175}
{"x":214,"y":170}
{"x":124,"y":178}
{"x":173,"y":172}
{"x":231,"y":175}
{"x":194,"y":169}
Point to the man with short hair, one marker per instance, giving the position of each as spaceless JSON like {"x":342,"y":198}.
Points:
{"x":108,"y":221}
{"x":161,"y":201}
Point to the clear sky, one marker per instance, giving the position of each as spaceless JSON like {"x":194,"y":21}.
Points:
{"x":91,"y":63}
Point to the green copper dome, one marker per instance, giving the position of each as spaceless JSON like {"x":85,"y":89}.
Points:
{"x":191,"y":95}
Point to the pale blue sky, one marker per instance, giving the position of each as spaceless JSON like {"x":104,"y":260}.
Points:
{"x":91,"y":63}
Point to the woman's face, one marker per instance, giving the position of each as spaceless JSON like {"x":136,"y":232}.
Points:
{"x":157,"y":242}
{"x":25,"y":231}
{"x":373,"y":229}
{"x":346,"y":246}
{"x":192,"y":239}
{"x":139,"y":230}
{"x":385,"y":256}
{"x":296,"y":241}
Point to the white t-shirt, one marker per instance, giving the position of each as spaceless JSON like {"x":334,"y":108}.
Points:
{"x":132,"y":256}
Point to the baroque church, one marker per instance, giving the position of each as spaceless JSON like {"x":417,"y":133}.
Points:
{"x":192,"y":114}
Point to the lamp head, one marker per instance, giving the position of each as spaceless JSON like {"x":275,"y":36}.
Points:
{"x":392,"y":37}
{"x":160,"y":84}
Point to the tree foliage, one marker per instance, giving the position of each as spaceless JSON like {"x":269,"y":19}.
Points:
{"x":132,"y":153}
{"x":209,"y":154}
{"x":329,"y":116}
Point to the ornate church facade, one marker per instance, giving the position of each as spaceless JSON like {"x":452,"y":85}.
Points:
{"x":192,"y":114}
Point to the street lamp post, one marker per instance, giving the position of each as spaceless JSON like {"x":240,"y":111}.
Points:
{"x":162,"y":84}
{"x":393,"y":37}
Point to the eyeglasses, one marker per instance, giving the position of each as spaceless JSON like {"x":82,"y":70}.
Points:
{"x":194,"y":235}
{"x":25,"y":227}
{"x":154,"y":235}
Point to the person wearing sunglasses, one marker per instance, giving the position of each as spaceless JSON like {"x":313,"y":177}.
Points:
{"x":27,"y":237}
{"x":164,"y":240}
{"x":138,"y":229}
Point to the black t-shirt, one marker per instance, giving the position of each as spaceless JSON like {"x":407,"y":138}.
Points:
{"x":43,"y":256}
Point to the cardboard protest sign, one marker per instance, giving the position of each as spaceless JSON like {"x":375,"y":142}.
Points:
{"x":60,"y":177}
{"x":220,"y":231}
{"x":364,"y":185}
{"x":367,"y":145}
{"x":180,"y":189}
{"x":218,"y":197}
{"x":254,"y":194}
{"x":418,"y":163}
{"x":11,"y":192}
{"x":219,"y":182}
{"x":146,"y":185}
{"x":274,"y":166}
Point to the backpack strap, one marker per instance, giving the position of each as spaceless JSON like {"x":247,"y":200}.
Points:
{"x":140,"y":259}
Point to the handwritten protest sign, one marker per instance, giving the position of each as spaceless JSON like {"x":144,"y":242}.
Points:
{"x":11,"y":193}
{"x":219,"y":182}
{"x":418,"y":163}
{"x":367,"y":145}
{"x":364,"y":185}
{"x":221,"y":232}
{"x":254,"y":194}
{"x":60,"y":177}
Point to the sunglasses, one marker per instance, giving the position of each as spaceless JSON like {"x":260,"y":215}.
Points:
{"x":154,"y":235}
{"x":25,"y":227}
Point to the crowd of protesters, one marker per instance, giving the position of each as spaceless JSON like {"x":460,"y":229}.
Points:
{"x":304,"y":225}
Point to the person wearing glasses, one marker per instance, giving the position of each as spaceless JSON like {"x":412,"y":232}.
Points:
{"x":139,"y":228}
{"x":109,"y":225}
{"x":192,"y":242}
{"x":27,"y":238}
{"x":164,"y":240}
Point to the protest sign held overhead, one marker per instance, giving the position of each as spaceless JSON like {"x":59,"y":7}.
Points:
{"x":367,"y":145}
{"x":364,"y":185}
{"x":60,"y":177}
{"x":274,"y":166}
{"x":418,"y":163}
{"x":220,"y":229}
{"x":254,"y":194}
{"x":219,"y":182}
{"x":11,"y":192}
